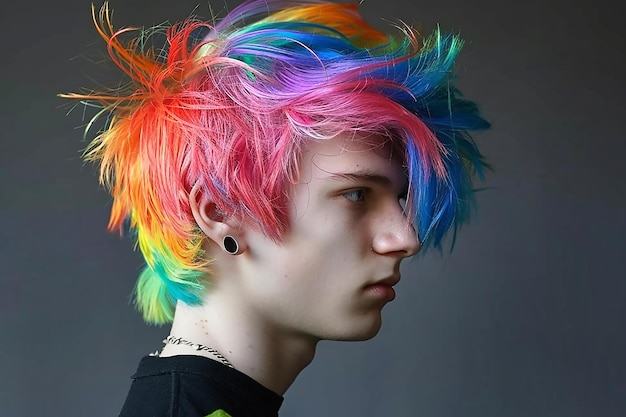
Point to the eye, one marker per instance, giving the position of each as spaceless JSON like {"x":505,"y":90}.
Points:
{"x":355,"y":195}
{"x":402,"y":200}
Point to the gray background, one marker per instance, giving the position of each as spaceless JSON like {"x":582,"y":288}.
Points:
{"x":525,"y":318}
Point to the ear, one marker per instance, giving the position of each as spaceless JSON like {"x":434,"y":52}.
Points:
{"x":212,"y":221}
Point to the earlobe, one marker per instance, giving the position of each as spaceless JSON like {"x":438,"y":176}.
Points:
{"x":223,"y":230}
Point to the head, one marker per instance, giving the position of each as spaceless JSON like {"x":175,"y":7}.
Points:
{"x":333,"y":269}
{"x":234,"y":121}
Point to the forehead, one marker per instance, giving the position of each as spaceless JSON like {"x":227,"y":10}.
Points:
{"x":349,"y":153}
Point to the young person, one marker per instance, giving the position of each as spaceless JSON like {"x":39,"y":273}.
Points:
{"x":275,"y":168}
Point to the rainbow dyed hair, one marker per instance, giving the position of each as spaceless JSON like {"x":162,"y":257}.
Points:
{"x":230,"y":106}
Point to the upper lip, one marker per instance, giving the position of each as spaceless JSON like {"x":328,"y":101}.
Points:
{"x":389,"y":281}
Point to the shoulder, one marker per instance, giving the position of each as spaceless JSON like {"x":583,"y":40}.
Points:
{"x":179,"y":386}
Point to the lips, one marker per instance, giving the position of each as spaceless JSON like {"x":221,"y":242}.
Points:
{"x":383,"y":289}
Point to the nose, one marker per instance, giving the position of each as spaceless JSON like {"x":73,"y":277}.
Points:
{"x":395,"y":235}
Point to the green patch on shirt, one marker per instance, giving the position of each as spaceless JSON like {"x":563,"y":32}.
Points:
{"x":218,"y":413}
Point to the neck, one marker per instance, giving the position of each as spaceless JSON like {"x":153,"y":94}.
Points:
{"x":272,"y":357}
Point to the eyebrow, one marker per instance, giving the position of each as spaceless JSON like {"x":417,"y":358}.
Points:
{"x":361,"y":176}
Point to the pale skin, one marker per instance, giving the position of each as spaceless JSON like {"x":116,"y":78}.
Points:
{"x":328,"y":279}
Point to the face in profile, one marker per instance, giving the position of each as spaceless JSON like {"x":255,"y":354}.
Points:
{"x":333,"y":272}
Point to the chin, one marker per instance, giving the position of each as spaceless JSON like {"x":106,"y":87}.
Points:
{"x":358,"y":333}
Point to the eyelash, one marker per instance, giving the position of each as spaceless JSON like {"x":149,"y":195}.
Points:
{"x":402,"y":198}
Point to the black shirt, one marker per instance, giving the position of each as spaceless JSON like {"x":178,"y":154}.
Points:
{"x":195,"y":386}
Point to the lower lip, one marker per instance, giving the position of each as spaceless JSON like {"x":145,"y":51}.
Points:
{"x":385,"y":292}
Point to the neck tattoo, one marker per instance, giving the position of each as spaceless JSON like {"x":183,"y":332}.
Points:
{"x":173,"y":340}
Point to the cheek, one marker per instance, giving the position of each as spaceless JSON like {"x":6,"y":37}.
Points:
{"x":329,"y":226}
{"x":332,"y":250}
{"x":315,"y":273}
